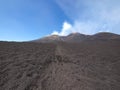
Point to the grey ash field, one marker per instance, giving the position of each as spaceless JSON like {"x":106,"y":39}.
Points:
{"x":86,"y":65}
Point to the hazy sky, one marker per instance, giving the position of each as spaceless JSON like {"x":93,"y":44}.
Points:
{"x":22,"y":20}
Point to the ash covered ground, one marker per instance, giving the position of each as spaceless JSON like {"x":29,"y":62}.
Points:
{"x":88,"y":65}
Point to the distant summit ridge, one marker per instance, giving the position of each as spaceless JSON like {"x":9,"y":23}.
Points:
{"x":78,"y":37}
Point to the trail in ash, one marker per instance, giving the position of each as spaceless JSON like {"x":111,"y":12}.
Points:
{"x":56,"y":74}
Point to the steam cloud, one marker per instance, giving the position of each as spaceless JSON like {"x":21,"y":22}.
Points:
{"x":90,"y":16}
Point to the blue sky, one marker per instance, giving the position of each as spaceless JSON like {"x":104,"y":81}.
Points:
{"x":22,"y":20}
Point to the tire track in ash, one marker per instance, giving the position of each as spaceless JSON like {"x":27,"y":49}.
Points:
{"x":49,"y":72}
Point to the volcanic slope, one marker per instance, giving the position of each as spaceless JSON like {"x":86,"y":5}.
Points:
{"x":77,"y":37}
{"x":89,"y":65}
